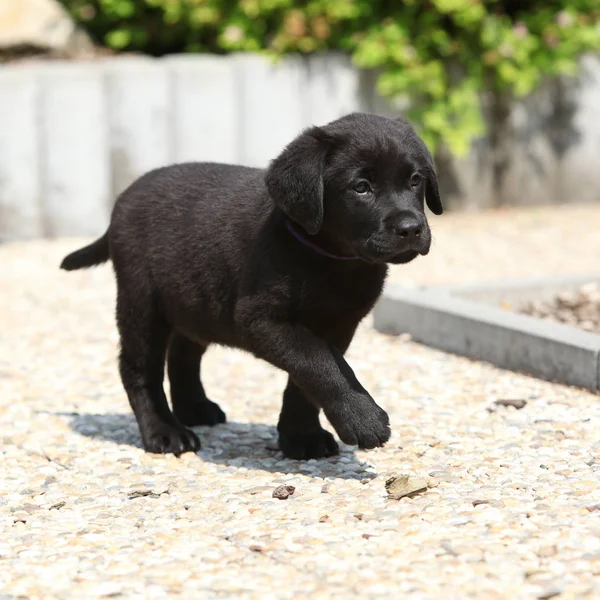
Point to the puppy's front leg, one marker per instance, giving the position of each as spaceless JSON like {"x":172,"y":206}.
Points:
{"x":321,"y":372}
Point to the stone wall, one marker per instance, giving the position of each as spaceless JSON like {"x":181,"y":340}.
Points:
{"x":73,"y":134}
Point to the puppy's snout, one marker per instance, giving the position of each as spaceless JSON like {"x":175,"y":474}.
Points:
{"x":408,"y":228}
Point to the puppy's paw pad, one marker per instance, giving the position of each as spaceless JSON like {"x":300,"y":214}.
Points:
{"x":304,"y":446}
{"x":168,"y":439}
{"x":205,"y":412}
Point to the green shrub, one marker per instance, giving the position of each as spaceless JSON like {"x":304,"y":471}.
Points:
{"x":435,"y":57}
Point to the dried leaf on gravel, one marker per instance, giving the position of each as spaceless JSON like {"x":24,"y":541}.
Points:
{"x":400,"y":486}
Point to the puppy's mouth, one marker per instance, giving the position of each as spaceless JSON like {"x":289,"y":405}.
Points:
{"x":374,"y":254}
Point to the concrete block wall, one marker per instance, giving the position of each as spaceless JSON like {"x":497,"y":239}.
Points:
{"x":75,"y":134}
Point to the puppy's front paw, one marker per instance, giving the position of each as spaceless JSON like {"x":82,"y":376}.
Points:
{"x":204,"y":412}
{"x":170,"y":439}
{"x":304,"y":446}
{"x":360,"y":422}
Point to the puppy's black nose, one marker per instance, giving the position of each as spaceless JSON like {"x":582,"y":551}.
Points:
{"x":408,"y":228}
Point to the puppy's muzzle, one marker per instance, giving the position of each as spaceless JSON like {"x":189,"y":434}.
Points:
{"x":411,"y":233}
{"x":409,"y":229}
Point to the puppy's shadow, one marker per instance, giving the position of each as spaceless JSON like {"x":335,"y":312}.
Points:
{"x":249,"y":445}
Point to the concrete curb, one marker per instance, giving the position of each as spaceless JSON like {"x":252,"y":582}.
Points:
{"x":456,"y":319}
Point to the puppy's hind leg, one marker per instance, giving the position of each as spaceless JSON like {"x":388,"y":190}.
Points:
{"x":190,"y":404}
{"x":144,"y":334}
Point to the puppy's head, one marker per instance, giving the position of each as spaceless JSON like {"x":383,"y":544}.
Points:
{"x":361,"y":182}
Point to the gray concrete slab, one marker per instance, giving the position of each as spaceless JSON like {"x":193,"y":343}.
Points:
{"x":139,"y":118}
{"x":73,"y":134}
{"x":443,"y":320}
{"x":21,"y":215}
{"x":75,"y":165}
{"x":272,"y":97}
{"x":206,"y":116}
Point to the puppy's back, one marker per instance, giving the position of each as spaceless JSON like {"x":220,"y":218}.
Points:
{"x":187,"y":230}
{"x":190,"y":198}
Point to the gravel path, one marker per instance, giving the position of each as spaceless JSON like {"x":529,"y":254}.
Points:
{"x":513,"y":510}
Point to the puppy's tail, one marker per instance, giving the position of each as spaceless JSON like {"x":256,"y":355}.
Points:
{"x":94,"y":254}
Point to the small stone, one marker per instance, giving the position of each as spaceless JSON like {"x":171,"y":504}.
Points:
{"x":283,"y":492}
{"x":459,"y":521}
{"x":20,"y":516}
{"x":517,"y":403}
{"x":549,"y":591}
{"x":547,"y":551}
{"x":58,"y":505}
{"x":145,"y":493}
{"x":447,"y":546}
{"x":400,"y":486}
{"x":256,"y":548}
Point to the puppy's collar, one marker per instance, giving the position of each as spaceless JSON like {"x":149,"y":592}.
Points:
{"x":314,"y":247}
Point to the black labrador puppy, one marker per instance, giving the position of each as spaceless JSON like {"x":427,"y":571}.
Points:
{"x":283,"y":263}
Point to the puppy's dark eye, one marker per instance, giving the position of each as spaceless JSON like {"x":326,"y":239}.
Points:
{"x":362,"y":187}
{"x":415,"y":180}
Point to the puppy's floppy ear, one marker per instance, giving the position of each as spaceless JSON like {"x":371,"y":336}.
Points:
{"x":432,"y":191}
{"x":295,"y":179}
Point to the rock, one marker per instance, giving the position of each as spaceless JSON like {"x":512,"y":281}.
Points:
{"x":145,"y":493}
{"x":42,"y":25}
{"x":405,"y":485}
{"x":478,"y":502}
{"x":549,"y":590}
{"x":517,"y":403}
{"x":547,"y":551}
{"x":283,"y":492}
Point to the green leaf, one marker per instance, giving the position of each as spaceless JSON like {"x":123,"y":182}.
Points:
{"x":118,"y":39}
